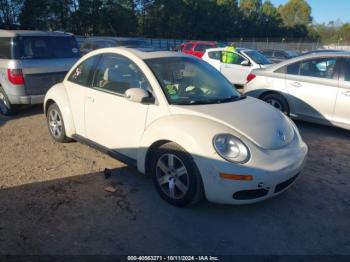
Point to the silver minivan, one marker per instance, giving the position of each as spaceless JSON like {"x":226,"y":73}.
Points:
{"x":30,"y":63}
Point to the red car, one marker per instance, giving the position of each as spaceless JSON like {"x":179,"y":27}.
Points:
{"x":197,"y":48}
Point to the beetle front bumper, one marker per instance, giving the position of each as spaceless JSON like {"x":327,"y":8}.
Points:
{"x":268,"y":180}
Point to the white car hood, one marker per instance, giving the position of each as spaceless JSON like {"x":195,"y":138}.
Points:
{"x":257,"y":121}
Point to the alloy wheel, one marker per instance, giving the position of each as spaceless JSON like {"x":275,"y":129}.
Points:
{"x":3,"y":104}
{"x":172,"y":176}
{"x":55,"y":123}
{"x":275,"y":103}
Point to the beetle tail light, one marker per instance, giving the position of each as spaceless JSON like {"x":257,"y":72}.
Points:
{"x":15,"y":76}
{"x":250,"y":77}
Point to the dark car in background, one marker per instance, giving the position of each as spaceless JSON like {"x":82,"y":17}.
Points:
{"x":277,"y":55}
{"x":30,"y":63}
{"x":93,"y":43}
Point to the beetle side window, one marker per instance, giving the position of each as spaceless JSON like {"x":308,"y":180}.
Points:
{"x":117,"y":74}
{"x":347,"y":70}
{"x":82,"y":74}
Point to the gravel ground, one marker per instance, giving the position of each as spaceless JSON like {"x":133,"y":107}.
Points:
{"x":53,"y":201}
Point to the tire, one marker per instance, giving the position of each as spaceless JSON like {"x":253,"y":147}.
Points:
{"x":55,"y":124}
{"x":277,"y":101}
{"x":181,"y":188}
{"x":6,"y":108}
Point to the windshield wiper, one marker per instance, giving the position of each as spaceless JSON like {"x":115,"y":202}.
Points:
{"x":212,"y":101}
{"x":229,"y":99}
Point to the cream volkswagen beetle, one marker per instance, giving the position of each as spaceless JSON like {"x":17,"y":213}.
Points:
{"x":179,"y":120}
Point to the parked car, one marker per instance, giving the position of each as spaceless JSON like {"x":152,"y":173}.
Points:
{"x":321,"y":51}
{"x":237,"y":71}
{"x":93,"y":43}
{"x":314,"y":88}
{"x":277,"y":56}
{"x":179,"y":120}
{"x":30,"y":63}
{"x":197,"y":48}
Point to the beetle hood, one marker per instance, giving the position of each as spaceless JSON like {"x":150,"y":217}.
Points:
{"x":257,"y":121}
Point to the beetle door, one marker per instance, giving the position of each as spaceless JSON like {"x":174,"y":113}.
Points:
{"x":112,"y":120}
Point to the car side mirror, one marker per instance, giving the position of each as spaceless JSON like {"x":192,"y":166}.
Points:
{"x":139,"y":95}
{"x":245,"y":63}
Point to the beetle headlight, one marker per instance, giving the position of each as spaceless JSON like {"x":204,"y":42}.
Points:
{"x":231,"y":148}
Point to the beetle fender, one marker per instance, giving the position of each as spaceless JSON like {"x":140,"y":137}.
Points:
{"x":58,"y":95}
{"x":193,"y":133}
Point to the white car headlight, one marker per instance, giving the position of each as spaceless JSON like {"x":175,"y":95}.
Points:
{"x":231,"y":148}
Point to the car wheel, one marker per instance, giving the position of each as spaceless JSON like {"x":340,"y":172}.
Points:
{"x":277,"y":101}
{"x":6,"y":108}
{"x":56,"y":124}
{"x":176,"y":176}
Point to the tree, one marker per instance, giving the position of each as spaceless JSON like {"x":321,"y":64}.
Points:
{"x":344,"y":33}
{"x":250,"y":7}
{"x":295,"y":13}
{"x":271,"y":20}
{"x":9,"y":10}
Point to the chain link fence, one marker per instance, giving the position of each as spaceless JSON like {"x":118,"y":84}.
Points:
{"x":259,"y":44}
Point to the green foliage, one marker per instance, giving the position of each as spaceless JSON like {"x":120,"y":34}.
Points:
{"x":185,"y":19}
{"x":295,"y":13}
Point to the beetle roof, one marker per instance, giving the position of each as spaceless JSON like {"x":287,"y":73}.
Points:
{"x":149,"y":53}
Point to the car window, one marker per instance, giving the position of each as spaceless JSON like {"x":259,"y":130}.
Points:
{"x":46,"y":47}
{"x":115,"y":73}
{"x":188,"y":47}
{"x":202,"y":47}
{"x":258,"y":58}
{"x":215,"y":55}
{"x":5,"y":48}
{"x":190,"y":81}
{"x":82,"y":74}
{"x":347,"y":70}
{"x":87,"y":45}
{"x":293,"y":69}
{"x":231,"y":58}
{"x":267,"y":53}
{"x":321,"y":67}
{"x":279,"y":54}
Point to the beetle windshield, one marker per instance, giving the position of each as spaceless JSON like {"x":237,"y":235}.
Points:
{"x":190,"y":81}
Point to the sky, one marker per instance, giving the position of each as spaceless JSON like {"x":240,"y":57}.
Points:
{"x":324,"y":11}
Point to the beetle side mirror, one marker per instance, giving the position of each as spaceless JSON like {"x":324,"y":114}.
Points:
{"x":139,"y":95}
{"x":245,"y":63}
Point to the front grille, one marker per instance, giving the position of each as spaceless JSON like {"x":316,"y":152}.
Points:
{"x":250,"y":194}
{"x":285,"y":184}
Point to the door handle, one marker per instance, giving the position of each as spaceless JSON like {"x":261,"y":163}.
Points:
{"x":296,"y":84}
{"x":346,"y":93}
{"x":91,"y":99}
